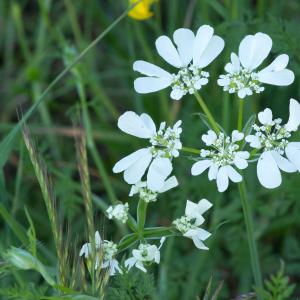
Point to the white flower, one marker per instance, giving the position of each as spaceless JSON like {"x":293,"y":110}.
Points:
{"x":221,"y":158}
{"x":104,"y":252}
{"x":196,"y":210}
{"x":86,"y":249}
{"x":189,"y":224}
{"x":193,"y":53}
{"x":118,"y":212}
{"x":243,"y":78}
{"x":148,"y":195}
{"x":164,"y":145}
{"x":144,"y":255}
{"x":271,"y":138}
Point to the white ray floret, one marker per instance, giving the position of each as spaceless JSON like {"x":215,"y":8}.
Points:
{"x":164,"y":145}
{"x":144,"y":256}
{"x":242,"y":75}
{"x":191,"y":55}
{"x":105,"y":251}
{"x":224,"y":154}
{"x":189,"y":223}
{"x":147,"y":194}
{"x":272,"y":139}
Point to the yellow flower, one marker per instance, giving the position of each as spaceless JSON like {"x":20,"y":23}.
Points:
{"x":142,"y":10}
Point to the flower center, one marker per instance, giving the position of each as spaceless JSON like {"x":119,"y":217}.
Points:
{"x":224,"y":151}
{"x":166,"y":142}
{"x":184,"y":224}
{"x":272,"y":136}
{"x":147,"y":195}
{"x":188,"y":80}
{"x":109,"y":250}
{"x":243,"y":80}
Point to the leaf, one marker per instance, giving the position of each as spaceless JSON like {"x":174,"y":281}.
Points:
{"x":17,"y":229}
{"x":159,"y":232}
{"x":204,"y":119}
{"x":127,"y":241}
{"x":248,"y":126}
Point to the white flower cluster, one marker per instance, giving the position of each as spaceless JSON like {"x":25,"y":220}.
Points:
{"x":189,"y":224}
{"x":242,"y":77}
{"x":188,"y":80}
{"x":164,"y":145}
{"x":105,"y":252}
{"x":225,"y":154}
{"x":191,"y":55}
{"x":118,"y":212}
{"x":148,"y":195}
{"x":166,"y":142}
{"x":238,"y":80}
{"x":145,"y":255}
{"x":272,"y":139}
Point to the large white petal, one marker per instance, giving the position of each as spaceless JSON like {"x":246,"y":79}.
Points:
{"x":265,"y":117}
{"x":222,"y":179}
{"x":191,"y":211}
{"x":136,"y":171}
{"x":254,"y":49}
{"x":233,"y":175}
{"x":235,"y":61}
{"x":167,"y":51}
{"x":267,"y":171}
{"x":198,"y":235}
{"x":149,"y":69}
{"x":292,"y":152}
{"x":294,"y":118}
{"x":203,"y":36}
{"x":148,"y":123}
{"x":204,"y":205}
{"x":213,"y":172}
{"x":200,"y":166}
{"x":130,"y":262}
{"x":184,"y":39}
{"x":212,"y":50}
{"x":281,"y":78}
{"x":169,"y":184}
{"x":135,"y":125}
{"x":159,"y":170}
{"x":278,"y":64}
{"x":130,"y":159}
{"x":283,"y":163}
{"x":144,"y":85}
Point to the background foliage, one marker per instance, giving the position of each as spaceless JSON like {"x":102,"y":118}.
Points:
{"x":36,"y":38}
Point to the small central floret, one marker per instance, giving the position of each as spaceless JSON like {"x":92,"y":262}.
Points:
{"x":109,"y":250}
{"x":188,"y":80}
{"x":271,"y":136}
{"x":166,"y":142}
{"x":225,"y":147}
{"x":244,"y":82}
{"x":184,"y":224}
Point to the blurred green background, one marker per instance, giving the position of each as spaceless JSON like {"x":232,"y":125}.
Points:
{"x":35,"y":37}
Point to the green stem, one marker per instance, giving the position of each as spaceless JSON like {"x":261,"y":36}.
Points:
{"x":240,"y":115}
{"x":131,"y":222}
{"x":208,"y":114}
{"x":141,"y":216}
{"x":250,"y":236}
{"x":190,"y":150}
